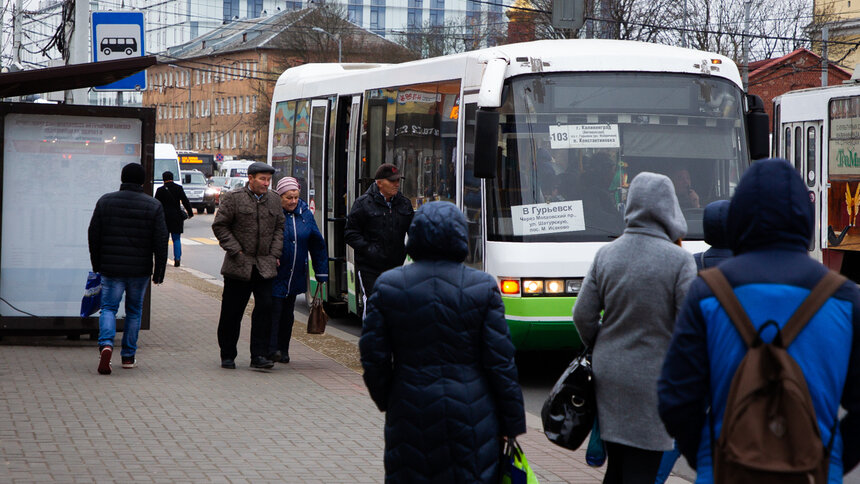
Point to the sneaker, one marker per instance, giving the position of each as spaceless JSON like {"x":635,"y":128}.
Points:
{"x":228,"y":364}
{"x":261,"y":362}
{"x":105,"y":353}
{"x":128,"y":362}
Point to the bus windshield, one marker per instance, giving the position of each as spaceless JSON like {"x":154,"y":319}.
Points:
{"x":569,"y":145}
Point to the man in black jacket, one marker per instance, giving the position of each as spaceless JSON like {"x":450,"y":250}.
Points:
{"x":127,"y":229}
{"x":171,"y":195}
{"x":376,"y":228}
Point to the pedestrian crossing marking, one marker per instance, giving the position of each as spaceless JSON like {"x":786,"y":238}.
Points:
{"x":196,"y":241}
{"x":205,"y":240}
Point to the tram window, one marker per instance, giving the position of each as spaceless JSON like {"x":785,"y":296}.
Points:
{"x":798,"y":150}
{"x":776,"y":111}
{"x":787,"y":149}
{"x":810,"y":157}
{"x":472,"y":192}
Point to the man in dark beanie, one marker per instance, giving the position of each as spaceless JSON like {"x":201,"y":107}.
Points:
{"x":126,"y":231}
{"x":171,"y":195}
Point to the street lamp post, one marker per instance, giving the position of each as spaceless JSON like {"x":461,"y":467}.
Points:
{"x":335,"y":37}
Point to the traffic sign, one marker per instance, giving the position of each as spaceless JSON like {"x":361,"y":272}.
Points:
{"x":119,"y":35}
{"x":219,"y":157}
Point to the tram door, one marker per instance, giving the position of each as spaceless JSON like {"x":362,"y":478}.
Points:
{"x":801,"y":146}
{"x":316,"y":160}
{"x":336,"y":206}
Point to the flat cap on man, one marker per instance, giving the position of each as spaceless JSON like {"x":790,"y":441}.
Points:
{"x":387,"y":171}
{"x":258,"y":167}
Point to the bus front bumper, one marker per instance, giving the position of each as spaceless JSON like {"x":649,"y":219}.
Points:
{"x":541,"y":323}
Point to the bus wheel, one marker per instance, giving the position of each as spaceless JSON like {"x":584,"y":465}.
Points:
{"x":129,"y":51}
{"x":106,"y":51}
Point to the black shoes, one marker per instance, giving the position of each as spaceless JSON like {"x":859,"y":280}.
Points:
{"x":228,"y":364}
{"x":261,"y":362}
{"x":128,"y":362}
{"x":279,"y":357}
{"x":175,"y":262}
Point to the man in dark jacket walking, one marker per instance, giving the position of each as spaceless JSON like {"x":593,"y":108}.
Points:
{"x":376,"y":228}
{"x":714,"y":222}
{"x":126,"y":230}
{"x":770,"y":226}
{"x":171,"y":195}
{"x":249,"y":226}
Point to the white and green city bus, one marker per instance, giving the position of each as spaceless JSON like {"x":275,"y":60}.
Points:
{"x":535,"y":142}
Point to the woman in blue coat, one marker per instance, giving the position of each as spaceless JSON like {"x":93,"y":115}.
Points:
{"x":439,"y":361}
{"x":301,"y":235}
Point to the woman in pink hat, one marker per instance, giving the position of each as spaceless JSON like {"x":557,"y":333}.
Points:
{"x":301,"y":235}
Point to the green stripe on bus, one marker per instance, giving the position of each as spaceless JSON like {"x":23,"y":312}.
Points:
{"x":533,"y":307}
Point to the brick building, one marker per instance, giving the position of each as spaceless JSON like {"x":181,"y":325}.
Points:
{"x":213,"y":94}
{"x":798,"y":70}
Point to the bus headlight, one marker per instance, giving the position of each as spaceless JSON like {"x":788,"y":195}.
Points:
{"x":554,"y":286}
{"x":572,"y":286}
{"x":532,"y":286}
{"x":510,"y":287}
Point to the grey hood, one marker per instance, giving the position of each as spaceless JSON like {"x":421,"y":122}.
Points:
{"x":652,"y":207}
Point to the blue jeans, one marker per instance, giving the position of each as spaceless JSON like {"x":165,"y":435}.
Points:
{"x":112,"y":291}
{"x":177,"y":245}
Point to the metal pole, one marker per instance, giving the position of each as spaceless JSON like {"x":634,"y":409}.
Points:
{"x":338,"y":50}
{"x":189,"y":110}
{"x":746,"y":43}
{"x":825,"y":36}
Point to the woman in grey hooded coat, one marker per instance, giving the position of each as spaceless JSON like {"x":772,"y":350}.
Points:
{"x":639,"y":282}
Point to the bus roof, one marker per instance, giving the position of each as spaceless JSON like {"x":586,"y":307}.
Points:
{"x":581,"y":55}
{"x":165,"y":150}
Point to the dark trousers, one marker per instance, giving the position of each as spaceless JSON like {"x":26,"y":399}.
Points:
{"x":283,"y":316}
{"x":630,"y":465}
{"x":233,"y":301}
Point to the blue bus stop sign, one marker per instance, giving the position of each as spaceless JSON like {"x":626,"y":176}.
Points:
{"x":119,"y":35}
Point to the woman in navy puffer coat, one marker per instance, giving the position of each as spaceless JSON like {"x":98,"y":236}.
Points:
{"x":301,"y":235}
{"x":439,"y":361}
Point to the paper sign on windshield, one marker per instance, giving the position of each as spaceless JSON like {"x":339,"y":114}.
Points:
{"x":547,"y":218}
{"x":583,"y":136}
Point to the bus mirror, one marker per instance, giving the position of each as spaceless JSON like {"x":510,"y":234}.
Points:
{"x":486,"y":143}
{"x":757,"y":128}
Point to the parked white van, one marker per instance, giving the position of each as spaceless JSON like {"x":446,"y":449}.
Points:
{"x":166,"y":159}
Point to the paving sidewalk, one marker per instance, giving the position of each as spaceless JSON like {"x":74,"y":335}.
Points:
{"x":178,"y":417}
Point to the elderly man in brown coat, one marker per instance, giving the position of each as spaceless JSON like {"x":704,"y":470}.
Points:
{"x":249,"y":225}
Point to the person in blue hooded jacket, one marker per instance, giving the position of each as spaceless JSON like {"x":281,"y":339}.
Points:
{"x":714,"y":222}
{"x":301,"y":235}
{"x":439,"y":361}
{"x":770,"y":225}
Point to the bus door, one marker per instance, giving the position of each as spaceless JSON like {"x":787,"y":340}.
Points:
{"x":801,"y":146}
{"x":336,"y":207}
{"x":316,"y":159}
{"x":351,"y":194}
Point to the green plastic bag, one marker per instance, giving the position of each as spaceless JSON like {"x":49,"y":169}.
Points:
{"x":515,"y":466}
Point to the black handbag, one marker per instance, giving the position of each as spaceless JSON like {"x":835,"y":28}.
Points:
{"x":569,"y":411}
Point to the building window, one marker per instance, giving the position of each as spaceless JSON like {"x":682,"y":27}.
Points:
{"x":415,"y":14}
{"x":231,"y":9}
{"x":255,"y":8}
{"x":355,"y":11}
{"x":255,"y":104}
{"x":377,"y":16}
{"x":437,"y":12}
{"x":293,"y":5}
